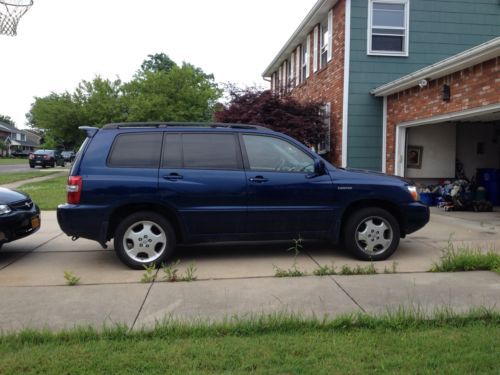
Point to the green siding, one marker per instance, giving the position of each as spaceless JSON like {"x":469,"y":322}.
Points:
{"x":438,"y":29}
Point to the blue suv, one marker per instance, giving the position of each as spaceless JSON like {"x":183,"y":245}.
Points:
{"x":150,"y":186}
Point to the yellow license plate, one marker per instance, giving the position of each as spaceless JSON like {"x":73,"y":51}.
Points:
{"x":35,"y":222}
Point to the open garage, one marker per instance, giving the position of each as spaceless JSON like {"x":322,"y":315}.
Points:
{"x":442,"y":123}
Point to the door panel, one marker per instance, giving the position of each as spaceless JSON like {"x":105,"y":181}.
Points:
{"x":202,"y":176}
{"x":284,"y":195}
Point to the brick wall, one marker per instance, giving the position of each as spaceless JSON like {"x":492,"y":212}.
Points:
{"x":472,"y":87}
{"x":326,"y":84}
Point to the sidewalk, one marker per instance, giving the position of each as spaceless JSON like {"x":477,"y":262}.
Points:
{"x":142,"y":305}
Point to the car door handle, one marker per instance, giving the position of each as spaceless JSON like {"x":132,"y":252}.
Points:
{"x":258,"y":179}
{"x":173,"y":177}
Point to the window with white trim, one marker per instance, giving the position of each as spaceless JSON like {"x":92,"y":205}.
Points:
{"x":388,"y":27}
{"x":325,"y":44}
{"x":290,"y":72}
{"x":304,"y":60}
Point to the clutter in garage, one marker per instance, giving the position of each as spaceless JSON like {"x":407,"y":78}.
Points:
{"x":478,"y":194}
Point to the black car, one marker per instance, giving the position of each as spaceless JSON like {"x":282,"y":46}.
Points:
{"x":19,"y":216}
{"x":46,"y":158}
{"x":69,"y":156}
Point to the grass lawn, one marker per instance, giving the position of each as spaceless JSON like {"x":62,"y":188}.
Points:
{"x":47,"y":194}
{"x":9,"y":161}
{"x":6,"y":178}
{"x":462,"y":346}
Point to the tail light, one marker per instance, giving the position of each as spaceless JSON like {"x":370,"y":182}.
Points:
{"x":74,"y":189}
{"x":46,"y":157}
{"x":31,"y":157}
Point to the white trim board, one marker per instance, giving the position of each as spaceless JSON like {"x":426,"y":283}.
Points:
{"x":347,"y":56}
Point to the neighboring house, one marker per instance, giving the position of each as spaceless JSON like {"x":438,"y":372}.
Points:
{"x":383,"y":68}
{"x":19,"y":142}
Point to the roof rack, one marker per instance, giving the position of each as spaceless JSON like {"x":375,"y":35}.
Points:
{"x":122,"y":125}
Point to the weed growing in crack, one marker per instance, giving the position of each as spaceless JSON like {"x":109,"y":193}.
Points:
{"x":149,"y":274}
{"x":71,"y":278}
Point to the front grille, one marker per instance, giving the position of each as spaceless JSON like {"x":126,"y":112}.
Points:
{"x":24,"y":205}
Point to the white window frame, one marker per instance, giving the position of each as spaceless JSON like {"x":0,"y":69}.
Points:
{"x":291,"y":75}
{"x":297,"y":66}
{"x":406,"y":34}
{"x":324,"y":44}
{"x":330,"y":35}
{"x":315,"y":48}
{"x":304,"y":61}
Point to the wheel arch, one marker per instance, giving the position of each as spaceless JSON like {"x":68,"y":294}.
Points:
{"x":123,"y":211}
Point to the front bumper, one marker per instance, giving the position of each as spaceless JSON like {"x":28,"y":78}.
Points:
{"x":415,"y":216}
{"x":19,"y":223}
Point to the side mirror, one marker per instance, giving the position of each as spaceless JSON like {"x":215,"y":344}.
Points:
{"x":319,"y":167}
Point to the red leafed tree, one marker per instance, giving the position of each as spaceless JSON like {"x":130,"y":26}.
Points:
{"x":302,"y":121}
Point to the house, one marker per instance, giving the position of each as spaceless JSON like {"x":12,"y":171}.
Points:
{"x":411,"y":87}
{"x":18,"y":142}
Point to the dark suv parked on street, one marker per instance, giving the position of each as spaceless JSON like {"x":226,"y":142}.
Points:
{"x":150,"y":186}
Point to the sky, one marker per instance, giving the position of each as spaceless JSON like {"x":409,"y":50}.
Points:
{"x":61,"y":42}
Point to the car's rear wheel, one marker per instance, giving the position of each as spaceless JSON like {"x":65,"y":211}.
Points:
{"x":143,"y":239}
{"x":371,"y":233}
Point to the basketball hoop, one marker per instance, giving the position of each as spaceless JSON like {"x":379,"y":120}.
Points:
{"x":10,"y":13}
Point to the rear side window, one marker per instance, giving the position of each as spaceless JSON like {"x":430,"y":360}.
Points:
{"x":136,"y":151}
{"x":201,"y":151}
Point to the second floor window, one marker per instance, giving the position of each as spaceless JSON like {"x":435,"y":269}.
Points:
{"x":388,"y":27}
{"x":324,"y":45}
{"x":305,"y":61}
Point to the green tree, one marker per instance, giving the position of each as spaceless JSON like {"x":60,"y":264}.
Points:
{"x":183,"y":93}
{"x":59,"y":115}
{"x":161,"y":91}
{"x":159,"y":62}
{"x":7,"y":120}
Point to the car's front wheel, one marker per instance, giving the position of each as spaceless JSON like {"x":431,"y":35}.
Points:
{"x":143,"y":239}
{"x":371,"y":233}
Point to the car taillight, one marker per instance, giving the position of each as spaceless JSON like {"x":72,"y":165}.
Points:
{"x":46,"y":157}
{"x":74,"y":189}
{"x":31,"y":157}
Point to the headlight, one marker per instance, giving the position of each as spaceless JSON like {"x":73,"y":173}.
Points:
{"x":4,"y":209}
{"x":414,"y":193}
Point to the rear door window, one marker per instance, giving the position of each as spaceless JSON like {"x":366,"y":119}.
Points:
{"x":136,"y":150}
{"x":201,"y":151}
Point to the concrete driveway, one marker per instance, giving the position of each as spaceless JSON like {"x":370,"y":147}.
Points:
{"x":234,"y":280}
{"x":41,"y":259}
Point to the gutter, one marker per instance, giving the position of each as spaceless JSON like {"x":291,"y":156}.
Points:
{"x":462,"y":60}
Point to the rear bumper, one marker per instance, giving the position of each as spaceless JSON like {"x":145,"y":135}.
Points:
{"x":44,"y":163}
{"x":18,"y":224}
{"x":415,"y":216}
{"x":85,"y":221}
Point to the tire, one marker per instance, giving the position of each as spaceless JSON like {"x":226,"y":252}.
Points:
{"x":371,"y":233}
{"x":131,"y":240}
{"x":32,"y":166}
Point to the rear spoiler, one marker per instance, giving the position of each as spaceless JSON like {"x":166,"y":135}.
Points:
{"x":90,"y":130}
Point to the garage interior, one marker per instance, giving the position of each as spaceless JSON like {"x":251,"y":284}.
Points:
{"x":461,"y":149}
